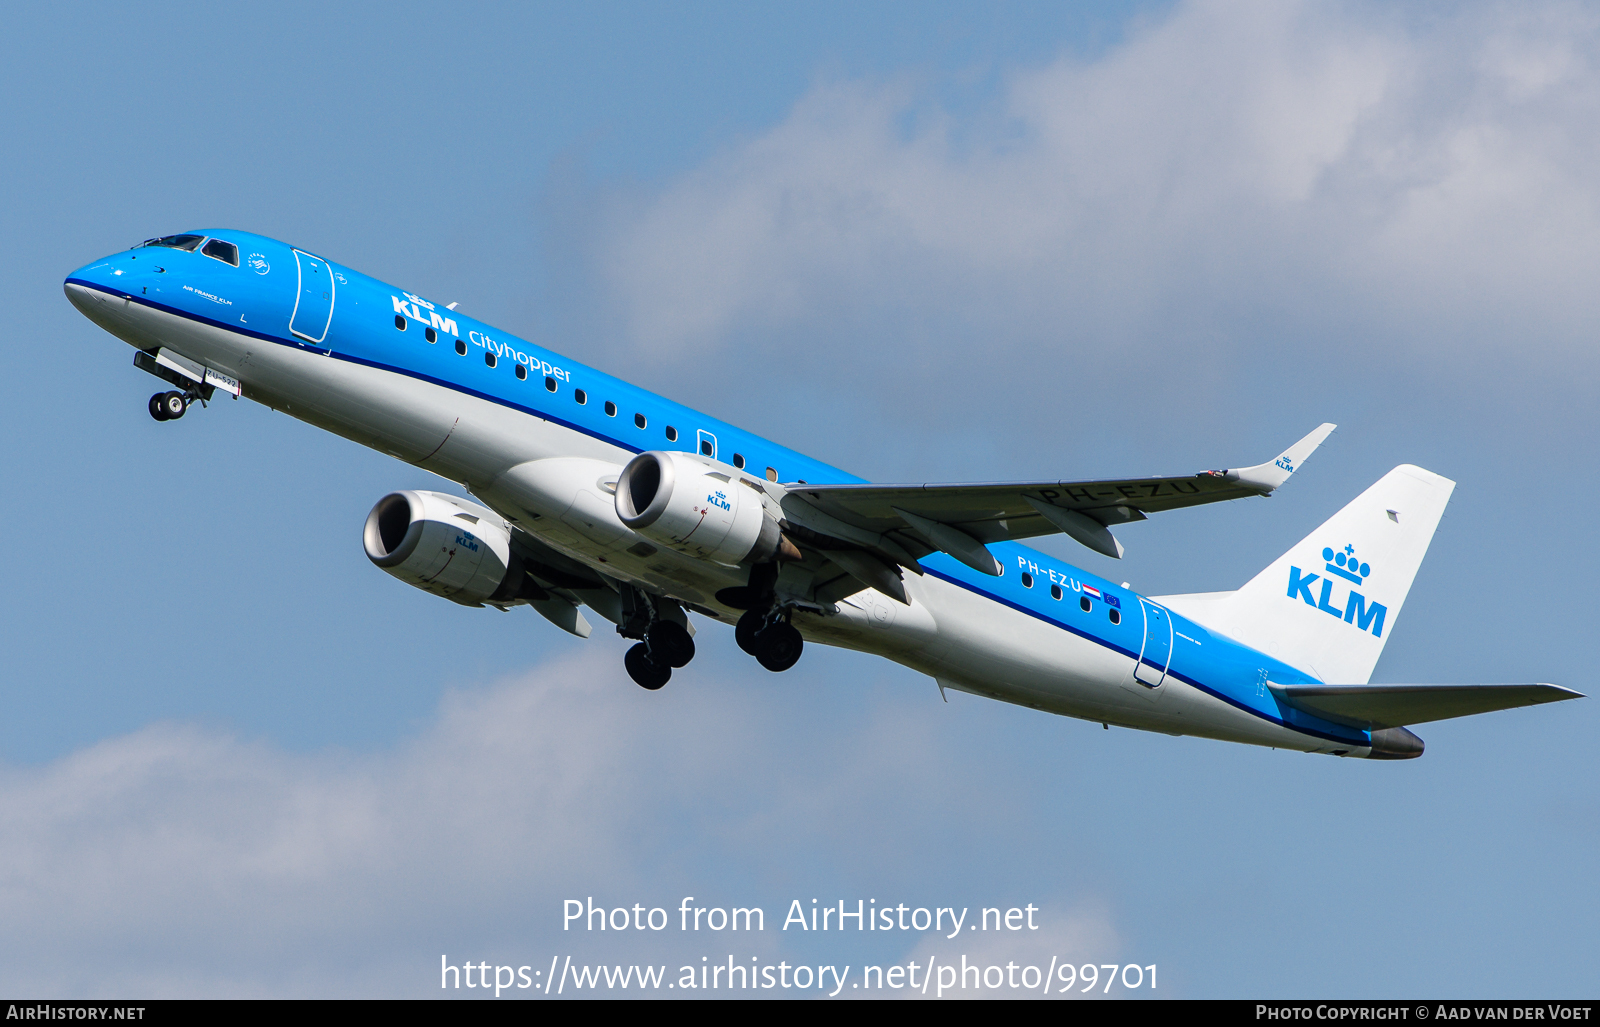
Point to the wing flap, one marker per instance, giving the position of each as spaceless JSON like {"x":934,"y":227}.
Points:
{"x":1384,"y":706}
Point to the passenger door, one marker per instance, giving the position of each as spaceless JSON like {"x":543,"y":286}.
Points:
{"x":313,"y":308}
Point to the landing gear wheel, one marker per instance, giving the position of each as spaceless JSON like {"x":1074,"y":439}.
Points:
{"x":646,"y":673}
{"x":670,"y":643}
{"x":778,"y":647}
{"x":747,"y":629}
{"x":173,"y":405}
{"x":158,"y":406}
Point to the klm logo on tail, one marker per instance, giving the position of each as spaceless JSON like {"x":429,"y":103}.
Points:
{"x":1345,"y":566}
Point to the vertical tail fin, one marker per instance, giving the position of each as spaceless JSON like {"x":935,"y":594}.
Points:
{"x":1329,"y":604}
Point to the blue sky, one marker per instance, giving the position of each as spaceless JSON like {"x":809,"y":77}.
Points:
{"x":924,"y":242}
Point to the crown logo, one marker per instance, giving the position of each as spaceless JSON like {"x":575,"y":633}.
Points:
{"x":1344,"y":564}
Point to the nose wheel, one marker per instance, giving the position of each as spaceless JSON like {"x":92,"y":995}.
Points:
{"x":168,"y":406}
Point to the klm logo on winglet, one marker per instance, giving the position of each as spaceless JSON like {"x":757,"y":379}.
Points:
{"x":1344,"y":565}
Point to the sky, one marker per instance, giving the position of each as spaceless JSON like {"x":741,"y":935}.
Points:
{"x":931,"y":242}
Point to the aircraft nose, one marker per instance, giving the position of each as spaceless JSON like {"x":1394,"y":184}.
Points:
{"x":83,"y":296}
{"x":105,"y":274}
{"x":93,"y":289}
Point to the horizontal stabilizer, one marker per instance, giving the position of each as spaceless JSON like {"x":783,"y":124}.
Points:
{"x":1382,"y":706}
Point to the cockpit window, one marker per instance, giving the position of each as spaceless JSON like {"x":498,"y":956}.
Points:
{"x":226,"y":252}
{"x":176,"y":242}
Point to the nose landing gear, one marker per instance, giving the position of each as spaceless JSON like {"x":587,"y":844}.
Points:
{"x":168,"y":406}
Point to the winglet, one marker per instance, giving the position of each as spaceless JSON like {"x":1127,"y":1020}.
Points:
{"x":1268,"y":476}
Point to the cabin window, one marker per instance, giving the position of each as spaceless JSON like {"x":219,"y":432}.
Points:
{"x":488,"y":358}
{"x":549,"y":384}
{"x":1055,"y":592}
{"x":706,"y":448}
{"x":738,"y":461}
{"x":1027,"y":580}
{"x":611,"y":409}
{"x":461,"y":347}
{"x":581,"y":396}
{"x":186,"y":243}
{"x":772,"y":474}
{"x":1116,"y":615}
{"x":638,"y":420}
{"x":226,"y":252}
{"x":672,"y":433}
{"x":430,"y":335}
{"x":400,"y":322}
{"x":522,"y":373}
{"x":1084,"y":604}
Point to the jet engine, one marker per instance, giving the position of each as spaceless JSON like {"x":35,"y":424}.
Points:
{"x":446,"y":546}
{"x":692,"y":505}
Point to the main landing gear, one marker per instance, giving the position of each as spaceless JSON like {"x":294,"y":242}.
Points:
{"x":168,"y":406}
{"x":764,"y":631}
{"x":667,"y":644}
{"x":770,"y":638}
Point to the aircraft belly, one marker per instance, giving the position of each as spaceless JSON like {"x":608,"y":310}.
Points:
{"x":870,"y":622}
{"x":995,"y":651}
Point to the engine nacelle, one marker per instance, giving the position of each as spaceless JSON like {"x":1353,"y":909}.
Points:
{"x":443,"y":545}
{"x":694,"y":506}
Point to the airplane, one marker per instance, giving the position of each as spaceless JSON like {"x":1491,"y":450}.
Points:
{"x":590,"y":492}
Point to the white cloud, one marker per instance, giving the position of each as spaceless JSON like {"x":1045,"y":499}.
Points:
{"x":1434,"y":173}
{"x":182,"y":861}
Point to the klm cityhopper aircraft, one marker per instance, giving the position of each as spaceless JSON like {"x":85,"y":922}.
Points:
{"x":595,"y":493}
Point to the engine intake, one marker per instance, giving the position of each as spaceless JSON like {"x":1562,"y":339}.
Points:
{"x":444,"y":545}
{"x":697,"y":507}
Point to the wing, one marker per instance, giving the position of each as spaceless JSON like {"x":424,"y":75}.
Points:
{"x":1381,"y":706}
{"x":913,"y":520}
